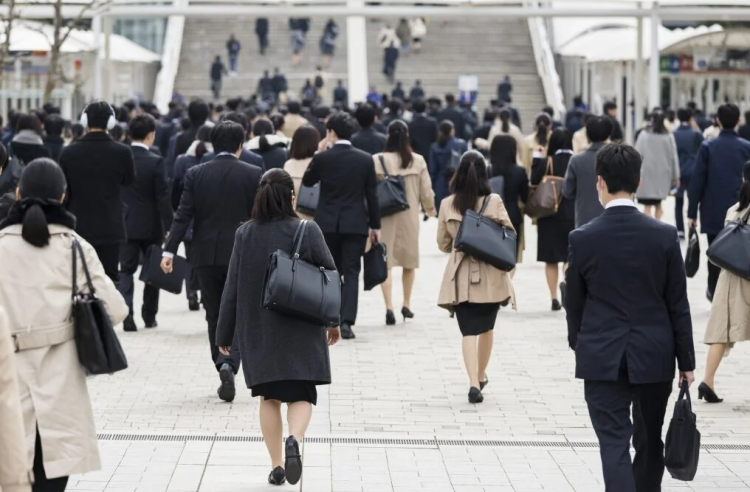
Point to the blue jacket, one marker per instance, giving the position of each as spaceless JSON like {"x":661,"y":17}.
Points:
{"x":717,"y":178}
{"x":688,"y":143}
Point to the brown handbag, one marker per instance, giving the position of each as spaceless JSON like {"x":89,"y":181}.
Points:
{"x":545,"y":198}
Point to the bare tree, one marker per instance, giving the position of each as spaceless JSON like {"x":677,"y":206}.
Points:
{"x":7,"y":20}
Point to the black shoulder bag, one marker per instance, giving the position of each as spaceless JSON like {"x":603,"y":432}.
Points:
{"x":299,"y":289}
{"x":731,"y":248}
{"x":487,"y":240}
{"x":391,"y":193}
{"x":308,"y":198}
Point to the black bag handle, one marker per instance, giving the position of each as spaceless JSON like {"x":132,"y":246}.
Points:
{"x":685,"y":393}
{"x":382,"y":163}
{"x":79,"y":250}
{"x":299,"y":234}
{"x":484,"y":205}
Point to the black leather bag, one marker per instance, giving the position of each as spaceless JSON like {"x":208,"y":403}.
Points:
{"x":693,"y":254}
{"x":731,"y":248}
{"x":391,"y":193}
{"x":99,"y":350}
{"x":683,"y":444}
{"x":486,"y":240}
{"x":376,"y":266}
{"x":300,"y":289}
{"x":152,"y":274}
{"x":307,"y":201}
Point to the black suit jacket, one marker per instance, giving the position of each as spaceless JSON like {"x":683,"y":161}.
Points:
{"x":423,"y":131}
{"x":148,"y":213}
{"x":246,"y":156}
{"x":453,"y":113}
{"x":369,"y":140}
{"x":54,"y":145}
{"x":347,"y":180}
{"x":627,"y":298}
{"x":95,"y":167}
{"x":184,"y":140}
{"x":744,"y":131}
{"x":218,"y":196}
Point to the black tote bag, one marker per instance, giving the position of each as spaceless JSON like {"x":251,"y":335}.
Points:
{"x":307,"y":200}
{"x":99,"y":350}
{"x":152,"y":274}
{"x":300,"y":289}
{"x":731,"y":248}
{"x":693,"y":253}
{"x":376,"y":266}
{"x":682,"y":447}
{"x":487,"y":240}
{"x":391,"y":193}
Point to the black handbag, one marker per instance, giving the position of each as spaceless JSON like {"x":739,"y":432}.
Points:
{"x":300,"y":289}
{"x":683,"y":444}
{"x":99,"y":350}
{"x":152,"y":274}
{"x":487,"y":240}
{"x":731,"y":248}
{"x":391,"y":193}
{"x":693,"y":253}
{"x":376,"y":266}
{"x":307,"y":200}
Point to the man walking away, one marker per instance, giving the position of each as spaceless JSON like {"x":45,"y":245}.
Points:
{"x":610,"y":110}
{"x":398,"y":92}
{"x":265,"y":87}
{"x":233,"y":52}
{"x":348,"y":205}
{"x":688,"y":141}
{"x":504,"y":90}
{"x":148,"y":217}
{"x":197,"y":114}
{"x":390,"y":57}
{"x":340,"y":94}
{"x":416,"y":92}
{"x":218,"y":70}
{"x":628,"y":321}
{"x":454,"y":114}
{"x":54,"y":125}
{"x":716,"y":181}
{"x":744,"y":130}
{"x":218,"y":196}
{"x":367,"y":139}
{"x":261,"y":30}
{"x":95,"y":168}
{"x":423,"y":129}
{"x":280,"y":86}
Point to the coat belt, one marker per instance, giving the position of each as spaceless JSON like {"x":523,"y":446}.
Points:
{"x":46,"y":336}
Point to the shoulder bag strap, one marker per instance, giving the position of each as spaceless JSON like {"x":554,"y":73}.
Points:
{"x":382,"y":163}
{"x":77,"y":247}
{"x":74,"y":290}
{"x":484,"y":205}
{"x":299,"y":235}
{"x":746,"y":215}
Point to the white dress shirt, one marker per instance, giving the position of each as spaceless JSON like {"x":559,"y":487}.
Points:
{"x":141,"y":145}
{"x":621,"y":202}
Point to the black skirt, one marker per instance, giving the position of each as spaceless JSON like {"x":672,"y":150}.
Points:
{"x":552,"y":243}
{"x":649,"y":202}
{"x":287,"y":391}
{"x":475,"y":319}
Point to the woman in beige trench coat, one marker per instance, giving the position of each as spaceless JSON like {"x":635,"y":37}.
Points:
{"x":304,"y":145}
{"x":471,"y":289}
{"x":400,"y":231}
{"x":729,"y":321}
{"x":35,"y":247}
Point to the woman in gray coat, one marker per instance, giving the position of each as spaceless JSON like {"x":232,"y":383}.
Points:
{"x":661,"y":166}
{"x":283,"y":358}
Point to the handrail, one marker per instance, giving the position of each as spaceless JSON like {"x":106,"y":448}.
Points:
{"x":170,"y":58}
{"x":545,"y":62}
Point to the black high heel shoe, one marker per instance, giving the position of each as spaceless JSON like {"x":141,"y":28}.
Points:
{"x":277,"y":476}
{"x":390,"y":318}
{"x":484,"y":383}
{"x":406,"y":313}
{"x":706,"y":393}
{"x":475,"y":396}
{"x":556,"y":305}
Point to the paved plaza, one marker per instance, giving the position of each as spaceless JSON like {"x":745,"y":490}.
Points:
{"x":396,"y":417}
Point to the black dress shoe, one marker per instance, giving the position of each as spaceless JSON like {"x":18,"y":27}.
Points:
{"x":706,"y":393}
{"x":129,"y":324}
{"x":151,"y":324}
{"x":277,"y":476}
{"x":390,"y":318}
{"x":194,"y":305}
{"x":484,"y":383}
{"x":292,"y":460}
{"x":406,"y":313}
{"x":226,"y":390}
{"x":475,"y":395}
{"x":346,"y":331}
{"x":556,"y":305}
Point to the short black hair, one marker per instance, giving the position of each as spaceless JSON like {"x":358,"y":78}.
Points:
{"x":341,"y":124}
{"x":365,"y":115}
{"x":54,"y":124}
{"x":419,"y":106}
{"x":293,"y":107}
{"x":729,"y":116}
{"x":599,"y":128}
{"x":140,"y":126}
{"x":98,"y":114}
{"x":198,"y":112}
{"x":609,"y":106}
{"x":237,"y":118}
{"x":684,"y":115}
{"x":29,"y":122}
{"x":227,"y":136}
{"x":450,"y":98}
{"x":619,"y":165}
{"x":549,"y":111}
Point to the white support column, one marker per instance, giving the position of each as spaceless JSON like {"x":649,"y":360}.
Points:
{"x":638,"y":76}
{"x":654,"y":81}
{"x":626,"y":103}
{"x":356,"y":55}
{"x":96,"y":25}
{"x":107,"y":65}
{"x":618,"y":91}
{"x":585,"y":90}
{"x":578,"y":82}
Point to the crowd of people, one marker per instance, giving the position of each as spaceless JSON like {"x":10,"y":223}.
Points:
{"x":224,"y":180}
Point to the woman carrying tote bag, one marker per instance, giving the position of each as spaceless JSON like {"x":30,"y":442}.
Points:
{"x":283,"y":358}
{"x":472,"y":290}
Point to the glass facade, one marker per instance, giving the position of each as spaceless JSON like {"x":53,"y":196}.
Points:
{"x":149,"y":33}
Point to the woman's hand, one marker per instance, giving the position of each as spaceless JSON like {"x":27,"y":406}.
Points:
{"x":332,"y":334}
{"x":431,"y":213}
{"x":225,"y":350}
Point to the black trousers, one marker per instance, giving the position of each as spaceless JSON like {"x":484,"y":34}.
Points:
{"x":713,"y":270}
{"x":263,"y":43}
{"x":192,"y":286}
{"x":41,"y":482}
{"x":609,"y":408}
{"x":130,"y":254}
{"x":347,"y":251}
{"x":109,"y":255}
{"x":679,"y":204}
{"x":212,"y":280}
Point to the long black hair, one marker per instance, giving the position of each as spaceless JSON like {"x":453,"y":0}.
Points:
{"x":41,"y":188}
{"x":542,"y":124}
{"x":470,"y":182}
{"x":261,"y":128}
{"x":203,"y":136}
{"x":504,"y":116}
{"x":560,"y":139}
{"x":503,"y":155}
{"x":398,"y":142}
{"x":745,"y":188}
{"x":657,"y":123}
{"x":444,"y":132}
{"x":274,"y":198}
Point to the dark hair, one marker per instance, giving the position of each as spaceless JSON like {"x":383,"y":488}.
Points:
{"x":560,"y":139}
{"x":489,"y":115}
{"x":619,"y":165}
{"x":341,"y":124}
{"x":729,"y":116}
{"x":261,"y":128}
{"x":419,"y":106}
{"x":684,"y":115}
{"x":503,"y":155}
{"x":609,"y":106}
{"x":278,"y":121}
{"x":293,"y":107}
{"x":470,"y":182}
{"x":398,"y":142}
{"x":657,"y":123}
{"x":237,"y":118}
{"x":549,"y":111}
{"x":6,"y":203}
{"x":117,"y":133}
{"x":227,"y":136}
{"x":42,"y":183}
{"x":184,"y":124}
{"x":599,"y":129}
{"x":450,"y":98}
{"x":203,"y":135}
{"x":504,"y":116}
{"x":141,"y":126}
{"x":274,"y":198}
{"x":29,"y":122}
{"x":444,"y":132}
{"x":198,"y":112}
{"x":745,"y":188}
{"x":76,"y":130}
{"x":365,"y":115}
{"x":3,"y":156}
{"x":305,"y":142}
{"x":671,"y":115}
{"x":54,"y":124}
{"x":395,"y":107}
{"x":542,"y":124}
{"x":98,"y":114}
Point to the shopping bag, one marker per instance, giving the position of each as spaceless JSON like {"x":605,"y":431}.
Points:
{"x":682,"y":447}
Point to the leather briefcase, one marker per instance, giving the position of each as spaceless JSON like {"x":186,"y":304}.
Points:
{"x":307,"y":200}
{"x":152,"y":274}
{"x":487,"y":240}
{"x":376,"y":266}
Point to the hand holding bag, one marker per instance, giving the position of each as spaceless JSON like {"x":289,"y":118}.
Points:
{"x":296,"y":288}
{"x":731,"y":248}
{"x":99,"y":350}
{"x":683,"y":444}
{"x":546,"y":197}
{"x":391,"y":193}
{"x":152,"y":274}
{"x":487,"y":240}
{"x":376,"y":266}
{"x":693,"y":254}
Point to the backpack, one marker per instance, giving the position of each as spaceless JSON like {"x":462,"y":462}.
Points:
{"x":318,"y":82}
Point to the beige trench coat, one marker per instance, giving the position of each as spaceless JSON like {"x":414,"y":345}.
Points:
{"x":529,"y":147}
{"x":729,"y":321}
{"x":36,"y":294}
{"x":400,"y":232}
{"x":467,"y":279}
{"x":15,"y":469}
{"x":292,"y":122}
{"x":296,"y":169}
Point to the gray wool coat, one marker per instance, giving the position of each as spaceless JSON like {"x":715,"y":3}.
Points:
{"x":273,"y":347}
{"x":661,"y":165}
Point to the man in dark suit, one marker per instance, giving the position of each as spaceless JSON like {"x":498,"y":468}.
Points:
{"x":347,"y":180}
{"x":148,"y":216}
{"x":423,"y":129}
{"x":688,"y":141}
{"x":744,"y":130}
{"x":218,"y":196}
{"x":628,"y":320}
{"x":367,"y":139}
{"x":95,"y":167}
{"x":610,"y":111}
{"x":198,"y":114}
{"x":454,"y":114}
{"x":340,"y":94}
{"x":246,"y":155}
{"x":54,"y":125}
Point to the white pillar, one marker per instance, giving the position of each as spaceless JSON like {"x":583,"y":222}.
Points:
{"x":638,"y":82}
{"x":579,"y":76}
{"x":626,"y":103}
{"x":618,"y":91}
{"x":96,"y":25}
{"x":654,"y":81}
{"x":107,"y":66}
{"x":356,"y":55}
{"x":585,"y":90}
